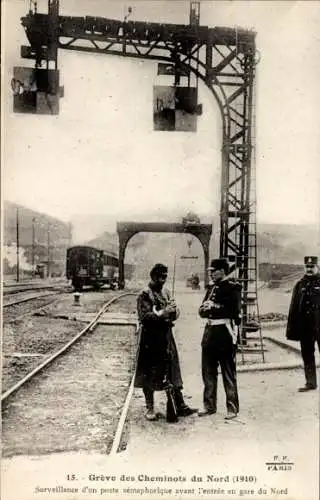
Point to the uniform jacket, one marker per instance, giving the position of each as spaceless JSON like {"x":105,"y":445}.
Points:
{"x":304,"y":311}
{"x":158,"y":354}
{"x":226,"y":295}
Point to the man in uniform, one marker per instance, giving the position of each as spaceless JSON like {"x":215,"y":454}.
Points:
{"x":221,"y":308}
{"x":158,"y":360}
{"x":304,"y":319}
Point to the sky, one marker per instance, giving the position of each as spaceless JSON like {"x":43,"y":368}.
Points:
{"x":100,"y":154}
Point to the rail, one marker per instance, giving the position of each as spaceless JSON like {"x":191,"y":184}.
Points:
{"x":33,"y":297}
{"x":48,"y":361}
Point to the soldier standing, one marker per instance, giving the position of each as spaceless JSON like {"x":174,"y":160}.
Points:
{"x":158,"y":354}
{"x":304,"y":319}
{"x":221,"y":308}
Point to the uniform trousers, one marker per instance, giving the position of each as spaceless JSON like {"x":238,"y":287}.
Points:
{"x":307,"y":351}
{"x":218,"y":349}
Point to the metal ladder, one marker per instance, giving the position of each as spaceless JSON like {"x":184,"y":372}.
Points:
{"x":250,"y":335}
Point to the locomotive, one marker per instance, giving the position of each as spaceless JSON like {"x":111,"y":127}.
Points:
{"x":89,"y":266}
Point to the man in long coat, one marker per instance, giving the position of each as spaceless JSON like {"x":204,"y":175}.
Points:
{"x":304,"y":319}
{"x":158,"y":360}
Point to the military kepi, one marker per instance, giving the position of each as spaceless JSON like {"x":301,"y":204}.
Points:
{"x":310,"y":260}
{"x":219,"y":264}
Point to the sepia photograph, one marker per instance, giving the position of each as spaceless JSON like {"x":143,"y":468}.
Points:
{"x":160,"y":249}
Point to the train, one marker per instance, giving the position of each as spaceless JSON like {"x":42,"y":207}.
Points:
{"x":93,"y":267}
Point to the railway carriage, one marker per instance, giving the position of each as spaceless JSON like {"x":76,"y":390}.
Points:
{"x":89,"y":266}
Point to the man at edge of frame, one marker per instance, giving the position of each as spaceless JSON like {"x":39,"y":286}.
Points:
{"x":304,"y":319}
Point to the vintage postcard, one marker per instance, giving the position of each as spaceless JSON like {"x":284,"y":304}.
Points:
{"x":160,"y":249}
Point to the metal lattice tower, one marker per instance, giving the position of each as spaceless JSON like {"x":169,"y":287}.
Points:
{"x":250,"y":297}
{"x":224,"y":59}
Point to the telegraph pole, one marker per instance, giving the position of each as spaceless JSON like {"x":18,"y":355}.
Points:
{"x":33,"y":246}
{"x":18,"y":245}
{"x":49,"y":256}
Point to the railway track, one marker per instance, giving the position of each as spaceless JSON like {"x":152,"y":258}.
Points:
{"x":28,"y":298}
{"x":26,"y":305}
{"x":24,"y":385}
{"x":19,"y":288}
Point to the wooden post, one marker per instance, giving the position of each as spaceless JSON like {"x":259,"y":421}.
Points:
{"x":174,"y":274}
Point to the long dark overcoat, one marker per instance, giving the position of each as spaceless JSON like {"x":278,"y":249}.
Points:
{"x":304,"y":311}
{"x":157,"y":355}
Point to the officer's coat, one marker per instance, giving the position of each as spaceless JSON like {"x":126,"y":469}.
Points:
{"x":156,"y":341}
{"x":226,"y":295}
{"x":304,"y":311}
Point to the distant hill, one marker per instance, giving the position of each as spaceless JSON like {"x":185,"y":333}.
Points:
{"x":109,"y":242}
{"x":48,"y":232}
{"x":276,"y":243}
{"x":87,"y":227}
{"x":287,"y":244}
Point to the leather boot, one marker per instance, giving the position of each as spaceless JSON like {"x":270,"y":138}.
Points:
{"x":183,"y":409}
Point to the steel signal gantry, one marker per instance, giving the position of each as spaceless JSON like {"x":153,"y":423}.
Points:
{"x":224,"y":59}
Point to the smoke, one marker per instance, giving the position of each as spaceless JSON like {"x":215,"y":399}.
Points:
{"x":10,"y":255}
